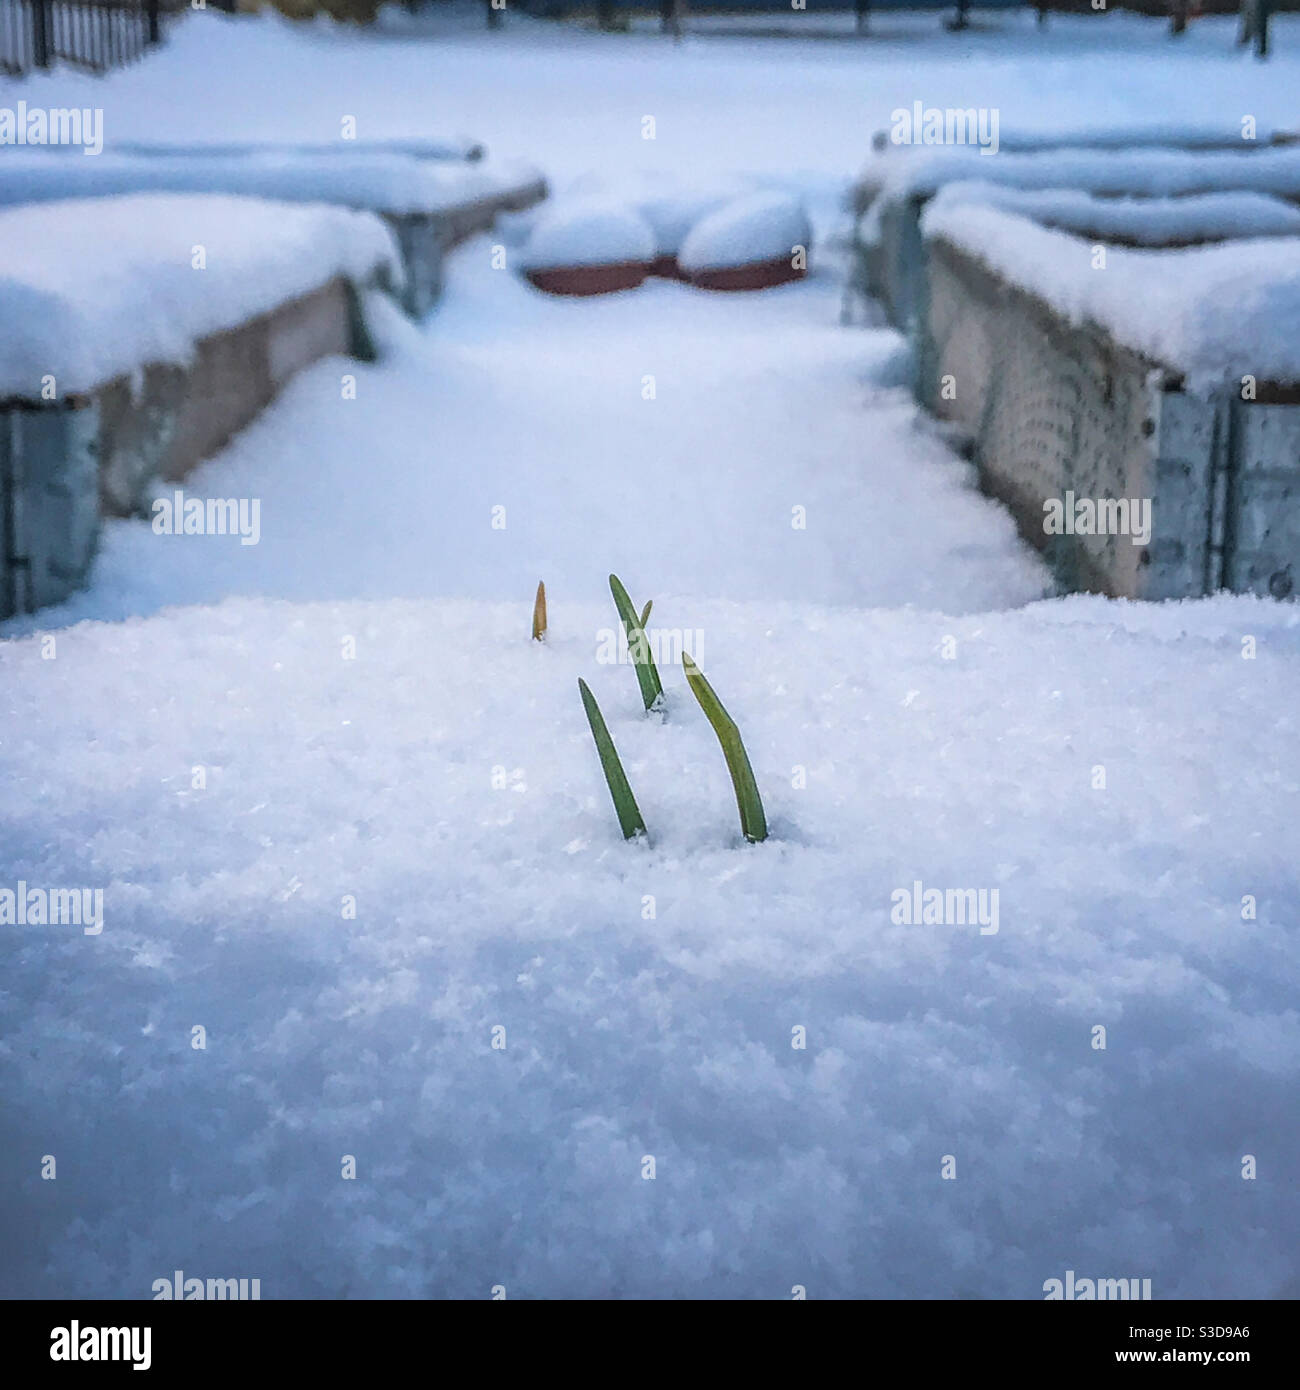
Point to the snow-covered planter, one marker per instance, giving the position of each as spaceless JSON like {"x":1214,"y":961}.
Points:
{"x":1141,"y":421}
{"x":134,"y":364}
{"x":896,"y":188}
{"x":430,"y":205}
{"x":589,"y":246}
{"x":749,"y":244}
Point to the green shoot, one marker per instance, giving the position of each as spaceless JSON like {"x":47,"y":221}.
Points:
{"x":629,"y":815}
{"x":652,"y":691}
{"x":753,"y":823}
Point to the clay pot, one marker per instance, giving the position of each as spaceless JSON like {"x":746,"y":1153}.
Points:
{"x":589,"y":279}
{"x":758,"y":275}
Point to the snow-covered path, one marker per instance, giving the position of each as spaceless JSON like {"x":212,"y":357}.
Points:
{"x":666,"y":434}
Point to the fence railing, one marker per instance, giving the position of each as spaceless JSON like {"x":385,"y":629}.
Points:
{"x":91,"y":34}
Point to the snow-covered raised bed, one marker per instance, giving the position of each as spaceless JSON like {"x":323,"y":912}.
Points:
{"x":450,"y":148}
{"x":140,"y":333}
{"x":587,"y":246}
{"x":910,"y":128}
{"x":1211,"y":314}
{"x":429,"y":205}
{"x":1168,"y":379}
{"x":1138,"y":172}
{"x":1196,"y":220}
{"x":752,"y":243}
{"x":897,"y":187}
{"x":379,"y":181}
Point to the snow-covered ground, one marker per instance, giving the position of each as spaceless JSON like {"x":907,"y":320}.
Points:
{"x":348,"y":718}
{"x":574,"y":100}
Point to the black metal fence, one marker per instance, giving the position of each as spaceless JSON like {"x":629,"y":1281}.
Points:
{"x":91,"y":34}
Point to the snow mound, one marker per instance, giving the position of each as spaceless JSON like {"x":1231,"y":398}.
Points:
{"x":588,"y":232}
{"x":670,"y":204}
{"x":673,"y":212}
{"x":139,"y":298}
{"x":752,"y":230}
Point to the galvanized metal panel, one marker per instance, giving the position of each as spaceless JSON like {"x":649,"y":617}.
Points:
{"x":51,"y":483}
{"x":1263,"y":542}
{"x":420,"y":238}
{"x":8,"y":600}
{"x":1191,"y":457}
{"x":894,"y":264}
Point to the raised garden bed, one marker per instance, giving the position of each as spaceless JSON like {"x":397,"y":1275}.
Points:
{"x":893,"y":196}
{"x":431,"y":205}
{"x":1154,"y":386}
{"x":125,"y":371}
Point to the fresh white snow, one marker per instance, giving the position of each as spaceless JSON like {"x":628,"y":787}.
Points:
{"x":516,"y":399}
{"x":374,"y":728}
{"x":445,"y":780}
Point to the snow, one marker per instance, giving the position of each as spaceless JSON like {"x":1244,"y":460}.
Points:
{"x":392,"y":183}
{"x":1144,"y":173}
{"x":670,"y":203}
{"x":456,"y":147}
{"x":762,"y":227}
{"x":967,"y":762}
{"x":1216,"y":313}
{"x":535,"y":404}
{"x":734,"y":106}
{"x":1144,"y":221}
{"x":588,"y":231}
{"x":139,"y":298}
{"x":673,"y":213}
{"x":1183,"y":133}
{"x":519,"y":906}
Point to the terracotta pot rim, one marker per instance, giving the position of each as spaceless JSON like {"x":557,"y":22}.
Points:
{"x":605,"y":277}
